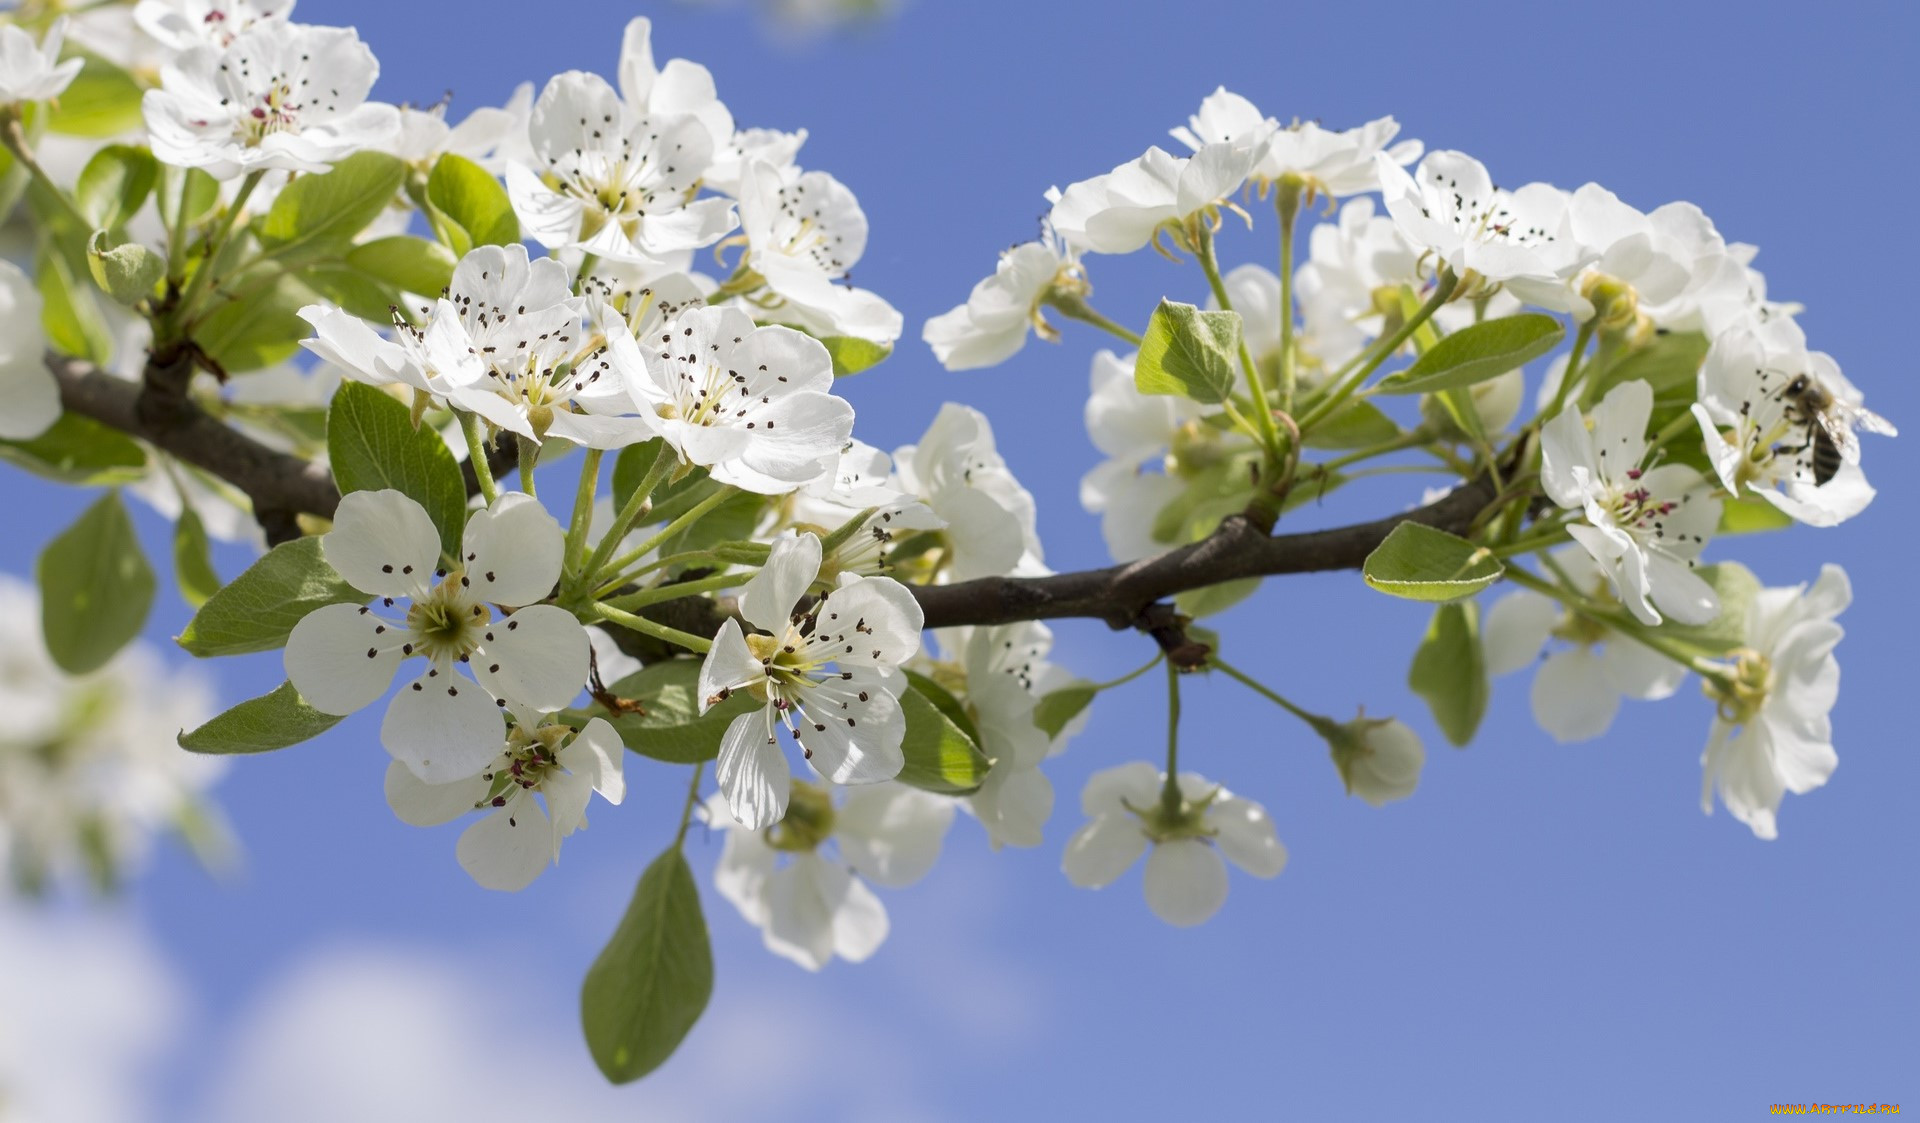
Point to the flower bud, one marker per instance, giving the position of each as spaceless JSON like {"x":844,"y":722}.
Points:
{"x":1379,"y":758}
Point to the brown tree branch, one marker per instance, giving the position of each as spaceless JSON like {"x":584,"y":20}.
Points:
{"x":1124,"y":596}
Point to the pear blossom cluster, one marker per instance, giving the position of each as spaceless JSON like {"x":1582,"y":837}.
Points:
{"x":602,"y":502}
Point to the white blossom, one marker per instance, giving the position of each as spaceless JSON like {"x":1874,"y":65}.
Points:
{"x":443,"y":726}
{"x":751,"y":404}
{"x":1644,"y":526}
{"x":805,"y":231}
{"x":1761,"y":439}
{"x":1119,"y":212}
{"x":279,"y":97}
{"x":992,"y":325}
{"x":678,"y":89}
{"x":1335,"y":163}
{"x":1450,"y":207}
{"x":32,"y":71}
{"x":484,"y":136}
{"x":814,"y":905}
{"x":185,"y":24}
{"x":1138,"y":433}
{"x":827,"y":674}
{"x":1379,"y":759}
{"x":996,"y":671}
{"x":518,"y":836}
{"x":752,"y":146}
{"x":1578,"y":686}
{"x":1186,"y":877}
{"x":956,"y":470}
{"x":30,"y":395}
{"x":1772,"y":734}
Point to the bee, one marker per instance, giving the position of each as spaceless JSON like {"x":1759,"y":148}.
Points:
{"x":1829,"y":423}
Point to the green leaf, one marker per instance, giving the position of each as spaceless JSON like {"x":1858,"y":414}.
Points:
{"x":372,"y":444}
{"x":940,"y":756}
{"x":405,"y":262}
{"x":1059,"y":707}
{"x":944,"y":701}
{"x":468,"y":207}
{"x":1421,"y":563}
{"x":256,"y":610}
{"x":258,"y":330}
{"x":1358,"y":424}
{"x":69,"y":314}
{"x":1737,"y":587}
{"x":1214,"y":599}
{"x":1476,"y":353}
{"x":78,"y":450}
{"x":330,"y":208}
{"x":651,"y":982}
{"x":851,"y":355}
{"x":672,"y":729}
{"x":193,"y":559}
{"x":103,"y":101}
{"x":1669,"y":362}
{"x":201,"y":191}
{"x":361,"y":294}
{"x":261,"y":725}
{"x":733,"y":520}
{"x":1750,"y":514}
{"x":1450,"y":671}
{"x":114,"y":183}
{"x":96,"y":588}
{"x":1189,"y":353}
{"x":127,"y":273}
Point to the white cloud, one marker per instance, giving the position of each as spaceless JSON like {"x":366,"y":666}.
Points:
{"x":86,"y":1006}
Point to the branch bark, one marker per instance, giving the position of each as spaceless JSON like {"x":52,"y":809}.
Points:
{"x":1124,"y":596}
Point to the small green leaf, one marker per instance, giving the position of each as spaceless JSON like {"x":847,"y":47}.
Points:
{"x":1421,"y":563}
{"x":851,"y":355}
{"x":1056,"y":709}
{"x":631,"y":466}
{"x":1357,"y":424}
{"x":96,"y":588}
{"x":260,"y":725}
{"x":673,"y":729}
{"x":259,"y":329}
{"x":78,"y":450}
{"x":256,"y":610}
{"x":405,"y":262}
{"x":372,"y":444}
{"x":127,"y":273}
{"x":328,"y":209}
{"x":940,"y":756}
{"x":1737,"y":588}
{"x":114,"y":183}
{"x":944,"y":701}
{"x":1476,"y":353}
{"x":69,"y":314}
{"x":1669,"y":362}
{"x":1750,"y":514}
{"x":193,"y":559}
{"x":361,"y":294}
{"x":651,"y":982}
{"x":1450,"y":671}
{"x":102,"y":101}
{"x":468,"y":207}
{"x":1189,"y":353}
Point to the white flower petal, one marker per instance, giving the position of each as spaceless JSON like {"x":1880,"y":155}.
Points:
{"x":1246,"y":837}
{"x":752,"y":771}
{"x":513,"y":551}
{"x":1102,"y":850}
{"x":770,"y":595}
{"x":891,"y":834}
{"x":1572,"y":699}
{"x":444,"y":727}
{"x":1516,"y":628}
{"x":538,"y":657}
{"x":508,"y":849}
{"x":420,"y":804}
{"x":383,"y":543}
{"x":341,"y":657}
{"x":1185,"y":882}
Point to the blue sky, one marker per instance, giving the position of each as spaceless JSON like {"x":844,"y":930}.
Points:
{"x":1542,"y":930}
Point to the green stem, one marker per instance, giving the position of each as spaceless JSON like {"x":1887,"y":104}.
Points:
{"x":1623,"y":624}
{"x":637,"y":504}
{"x":666,"y":532}
{"x":583,"y":498}
{"x":1557,"y":535}
{"x":693,"y":798}
{"x":1442,"y":292}
{"x":216,"y":246}
{"x":1411,"y":439}
{"x":647,"y":627}
{"x":1130,"y":675}
{"x":1266,"y":431}
{"x":470,"y":424}
{"x":1286,"y":203}
{"x":676,"y":590}
{"x":529,"y":459}
{"x":1170,"y":797}
{"x":1672,"y":429}
{"x":1075,"y":307}
{"x":1572,"y":373}
{"x":1266,"y":692}
{"x":14,"y":137}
